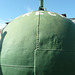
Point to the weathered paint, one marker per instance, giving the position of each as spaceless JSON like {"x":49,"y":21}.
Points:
{"x":73,"y":20}
{"x":39,"y":12}
{"x":27,"y":14}
{"x":38,"y":45}
{"x":52,"y":14}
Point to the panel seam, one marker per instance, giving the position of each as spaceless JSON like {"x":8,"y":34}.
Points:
{"x":20,"y":66}
{"x":37,"y":43}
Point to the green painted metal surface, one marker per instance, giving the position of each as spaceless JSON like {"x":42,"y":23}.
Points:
{"x":38,"y":43}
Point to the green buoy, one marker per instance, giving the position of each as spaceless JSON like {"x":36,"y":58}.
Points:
{"x":38,"y":43}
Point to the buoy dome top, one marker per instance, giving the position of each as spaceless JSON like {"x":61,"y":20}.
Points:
{"x":34,"y":43}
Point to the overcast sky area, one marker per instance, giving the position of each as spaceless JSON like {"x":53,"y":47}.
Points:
{"x":10,"y":9}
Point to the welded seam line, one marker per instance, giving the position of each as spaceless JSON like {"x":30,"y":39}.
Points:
{"x":35,"y":62}
{"x":51,"y":50}
{"x":17,"y":66}
{"x":57,"y":50}
{"x":37,"y":32}
{"x":37,"y":43}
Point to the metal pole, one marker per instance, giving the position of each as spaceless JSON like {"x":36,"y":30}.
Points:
{"x":41,"y":3}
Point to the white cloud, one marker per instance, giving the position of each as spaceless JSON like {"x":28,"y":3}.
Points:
{"x":2,"y":24}
{"x":29,"y":9}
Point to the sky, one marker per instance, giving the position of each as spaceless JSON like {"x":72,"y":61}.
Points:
{"x":10,"y":9}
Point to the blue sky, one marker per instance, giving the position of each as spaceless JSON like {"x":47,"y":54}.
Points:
{"x":10,"y":9}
